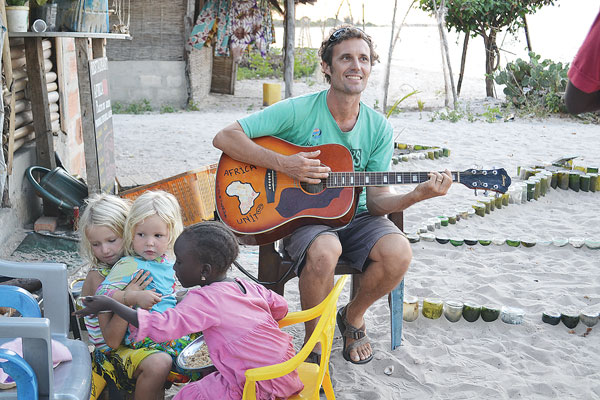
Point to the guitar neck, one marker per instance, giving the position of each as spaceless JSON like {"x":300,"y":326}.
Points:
{"x":360,"y":179}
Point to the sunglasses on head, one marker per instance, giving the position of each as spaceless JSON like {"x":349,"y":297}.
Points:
{"x":338,"y":33}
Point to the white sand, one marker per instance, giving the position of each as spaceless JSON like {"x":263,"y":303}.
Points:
{"x":439,"y":359}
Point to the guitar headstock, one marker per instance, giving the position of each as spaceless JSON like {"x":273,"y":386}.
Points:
{"x":496,"y":180}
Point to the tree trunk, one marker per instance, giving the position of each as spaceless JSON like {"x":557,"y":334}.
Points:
{"x":527,"y":34}
{"x":463,"y":61}
{"x":386,"y":81}
{"x":288,"y":59}
{"x":490,"y":55}
{"x":445,"y":52}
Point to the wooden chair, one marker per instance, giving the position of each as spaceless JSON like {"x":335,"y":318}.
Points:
{"x":274,"y":263}
{"x":313,"y":376}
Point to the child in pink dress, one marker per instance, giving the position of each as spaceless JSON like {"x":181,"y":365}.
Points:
{"x":238,"y":318}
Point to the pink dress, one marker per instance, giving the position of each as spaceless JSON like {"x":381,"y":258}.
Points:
{"x":241,"y":332}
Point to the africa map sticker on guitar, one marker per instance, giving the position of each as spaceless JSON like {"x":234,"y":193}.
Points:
{"x":261,"y":205}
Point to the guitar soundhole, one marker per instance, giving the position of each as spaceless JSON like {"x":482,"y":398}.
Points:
{"x":312,"y":188}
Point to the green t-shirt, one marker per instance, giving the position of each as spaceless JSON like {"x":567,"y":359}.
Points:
{"x":307,"y":121}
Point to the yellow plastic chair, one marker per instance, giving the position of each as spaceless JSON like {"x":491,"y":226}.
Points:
{"x":313,"y":376}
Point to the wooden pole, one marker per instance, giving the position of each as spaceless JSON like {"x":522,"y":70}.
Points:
{"x":38,"y":93}
{"x":363,"y":16}
{"x":8,"y":74}
{"x":527,"y":34}
{"x":288,"y":61}
{"x":386,"y":81}
{"x":445,"y":54}
{"x":87,"y":115}
{"x":463,"y":61}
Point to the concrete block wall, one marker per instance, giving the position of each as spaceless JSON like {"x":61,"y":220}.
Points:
{"x":160,"y":82}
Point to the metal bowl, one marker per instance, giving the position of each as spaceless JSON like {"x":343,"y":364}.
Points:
{"x":189,"y":350}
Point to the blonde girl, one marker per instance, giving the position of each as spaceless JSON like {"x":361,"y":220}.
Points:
{"x":151,"y":228}
{"x":101,"y":228}
{"x":153,"y":224}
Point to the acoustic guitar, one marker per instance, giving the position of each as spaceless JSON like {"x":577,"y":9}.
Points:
{"x":261,"y":205}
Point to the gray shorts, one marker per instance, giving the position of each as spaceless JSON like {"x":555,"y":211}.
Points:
{"x":357,"y":239}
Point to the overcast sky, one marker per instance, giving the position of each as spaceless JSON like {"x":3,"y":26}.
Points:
{"x":567,"y":12}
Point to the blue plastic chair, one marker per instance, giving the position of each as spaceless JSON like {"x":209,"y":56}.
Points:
{"x":21,"y":372}
{"x":71,"y":380}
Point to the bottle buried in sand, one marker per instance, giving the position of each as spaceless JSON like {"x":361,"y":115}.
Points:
{"x":432,"y":308}
{"x":551,"y":317}
{"x":453,"y":310}
{"x":589,"y":317}
{"x":570,"y":318}
{"x":512,"y":315}
{"x":471,"y":311}
{"x":490,"y":313}
{"x":410,"y":311}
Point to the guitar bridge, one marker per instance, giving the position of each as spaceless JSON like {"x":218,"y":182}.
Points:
{"x":270,"y":185}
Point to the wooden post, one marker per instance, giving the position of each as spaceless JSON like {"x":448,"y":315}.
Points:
{"x":445,"y":54}
{"x":463,"y":61}
{"x":8,"y":74}
{"x":98,"y":48}
{"x":527,"y":34}
{"x":42,"y":124}
{"x":386,"y":81}
{"x":288,"y":61}
{"x":87,"y":115}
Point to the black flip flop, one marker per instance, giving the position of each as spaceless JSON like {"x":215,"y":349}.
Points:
{"x":349,"y":331}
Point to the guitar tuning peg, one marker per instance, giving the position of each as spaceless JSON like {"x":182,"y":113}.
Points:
{"x":475,"y":191}
{"x":485,"y":193}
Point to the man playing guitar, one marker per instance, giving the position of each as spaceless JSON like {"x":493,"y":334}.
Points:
{"x":371,"y":242}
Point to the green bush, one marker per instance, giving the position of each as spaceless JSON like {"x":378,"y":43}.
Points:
{"x":254,"y":66}
{"x":139,"y":107}
{"x":534,"y":85}
{"x":167,"y":109}
{"x":305,"y":62}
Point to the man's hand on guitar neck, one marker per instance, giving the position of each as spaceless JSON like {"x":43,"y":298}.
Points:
{"x":305,"y":167}
{"x":437,"y":185}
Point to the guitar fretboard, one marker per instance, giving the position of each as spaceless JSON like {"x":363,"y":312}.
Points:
{"x":354,"y":179}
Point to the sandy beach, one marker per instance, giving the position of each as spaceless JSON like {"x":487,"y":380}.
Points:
{"x":440,"y":359}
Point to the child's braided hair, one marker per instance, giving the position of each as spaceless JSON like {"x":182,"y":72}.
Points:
{"x":213,"y":243}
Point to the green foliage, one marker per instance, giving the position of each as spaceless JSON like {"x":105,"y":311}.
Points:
{"x":18,"y":3}
{"x":167,"y":109}
{"x":394,"y":108}
{"x":486,"y":18}
{"x":305,"y":62}
{"x":118,"y":108}
{"x":479,"y":16}
{"x":139,"y":107}
{"x":193,"y":106}
{"x":491,"y":114}
{"x":254,"y":66}
{"x":420,"y":105}
{"x":454,"y":115}
{"x":534,"y":84}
